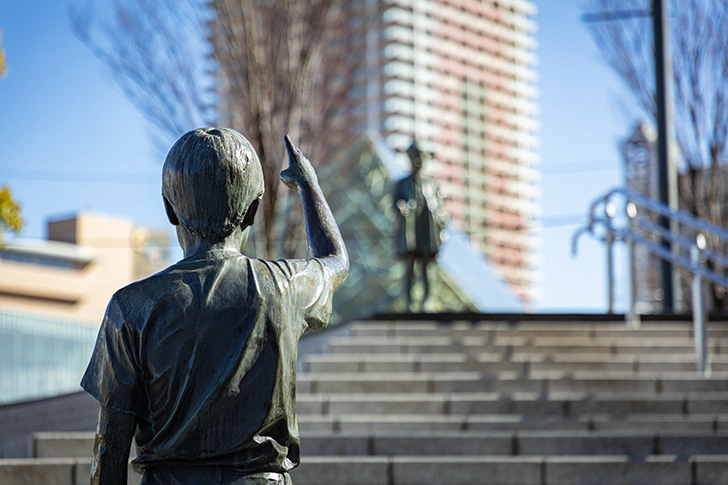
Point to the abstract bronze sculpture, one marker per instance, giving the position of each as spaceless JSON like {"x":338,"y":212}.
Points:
{"x":420,"y":221}
{"x":198,"y":362}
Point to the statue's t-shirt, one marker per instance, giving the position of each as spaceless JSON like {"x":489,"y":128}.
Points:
{"x":204,"y":354}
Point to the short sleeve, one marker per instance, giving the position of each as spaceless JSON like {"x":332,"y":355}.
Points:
{"x":311,"y":290}
{"x":111,"y":377}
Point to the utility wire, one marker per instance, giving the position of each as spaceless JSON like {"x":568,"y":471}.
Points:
{"x":80,"y":177}
{"x":556,"y":171}
{"x":615,"y":15}
{"x":154,"y":179}
{"x":560,"y":220}
{"x":122,"y":243}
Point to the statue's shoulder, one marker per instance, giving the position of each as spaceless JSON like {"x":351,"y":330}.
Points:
{"x":151,"y":288}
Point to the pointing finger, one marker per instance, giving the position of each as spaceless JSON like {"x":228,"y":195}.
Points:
{"x":290,"y":147}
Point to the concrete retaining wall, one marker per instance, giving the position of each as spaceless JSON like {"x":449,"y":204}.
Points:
{"x":71,"y":412}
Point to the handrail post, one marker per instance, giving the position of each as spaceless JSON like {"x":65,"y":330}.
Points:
{"x":633,"y":318}
{"x":609,"y":210}
{"x":696,"y":254}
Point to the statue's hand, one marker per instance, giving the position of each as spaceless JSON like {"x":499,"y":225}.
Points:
{"x":299,"y":168}
{"x":402,"y":206}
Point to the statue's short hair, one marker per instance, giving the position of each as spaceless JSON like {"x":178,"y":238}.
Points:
{"x":211,"y":178}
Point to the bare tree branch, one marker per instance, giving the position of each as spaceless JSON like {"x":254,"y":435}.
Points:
{"x":265,"y":68}
{"x":159,"y":55}
{"x":700,"y":68}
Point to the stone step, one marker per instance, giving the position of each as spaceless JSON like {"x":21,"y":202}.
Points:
{"x":77,"y":444}
{"x":502,"y":339}
{"x":65,"y":444}
{"x":469,"y":470}
{"x":635,"y":444}
{"x":407,"y":423}
{"x":657,"y":422}
{"x":634,"y":340}
{"x":51,"y":471}
{"x":496,"y":362}
{"x":423,"y":326}
{"x":507,"y":382}
{"x":415,"y":470}
{"x":589,"y":335}
{"x":593,"y":331}
{"x":360,"y":330}
{"x":533,"y":404}
{"x":471,"y":346}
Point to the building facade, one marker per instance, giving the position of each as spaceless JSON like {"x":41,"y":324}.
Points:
{"x":73,"y":273}
{"x":458,"y":76}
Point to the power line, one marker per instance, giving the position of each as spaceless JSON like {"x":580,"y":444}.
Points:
{"x":80,"y":177}
{"x":562,"y":220}
{"x":555,"y":170}
{"x":615,"y":15}
{"x":154,"y":179}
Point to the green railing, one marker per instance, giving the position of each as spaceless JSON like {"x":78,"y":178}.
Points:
{"x":41,"y":357}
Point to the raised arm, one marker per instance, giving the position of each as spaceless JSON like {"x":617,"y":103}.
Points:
{"x":324,"y":237}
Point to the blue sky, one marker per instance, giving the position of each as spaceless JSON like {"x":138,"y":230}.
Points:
{"x":70,"y":141}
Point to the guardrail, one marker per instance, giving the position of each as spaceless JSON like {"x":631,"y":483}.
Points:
{"x":623,"y":215}
{"x":41,"y":357}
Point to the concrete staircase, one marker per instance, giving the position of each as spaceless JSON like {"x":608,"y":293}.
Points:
{"x":487,"y":403}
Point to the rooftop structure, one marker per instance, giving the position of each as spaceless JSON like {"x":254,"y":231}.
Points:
{"x":73,"y":273}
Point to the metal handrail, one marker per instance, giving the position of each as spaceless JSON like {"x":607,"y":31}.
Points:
{"x":684,"y":241}
{"x":679,"y":216}
{"x":603,"y":212}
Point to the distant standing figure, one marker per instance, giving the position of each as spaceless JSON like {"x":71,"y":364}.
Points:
{"x":420,"y":221}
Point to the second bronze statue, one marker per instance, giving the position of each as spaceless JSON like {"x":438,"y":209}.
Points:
{"x":420,"y":221}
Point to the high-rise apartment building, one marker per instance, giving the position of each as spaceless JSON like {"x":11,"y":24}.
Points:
{"x":457,"y":75}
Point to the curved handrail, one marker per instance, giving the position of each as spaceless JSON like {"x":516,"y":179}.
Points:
{"x":704,"y":228}
{"x":677,"y":215}
{"x":671,"y":249}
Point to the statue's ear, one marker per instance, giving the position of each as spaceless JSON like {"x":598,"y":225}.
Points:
{"x":250,"y":214}
{"x":170,"y":212}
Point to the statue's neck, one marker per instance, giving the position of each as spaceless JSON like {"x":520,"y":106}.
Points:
{"x":193,"y":245}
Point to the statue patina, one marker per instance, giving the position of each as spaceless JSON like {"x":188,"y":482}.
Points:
{"x":197,"y":363}
{"x":420,"y":221}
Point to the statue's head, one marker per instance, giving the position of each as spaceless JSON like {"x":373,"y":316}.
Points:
{"x":212,"y":182}
{"x":416,"y":155}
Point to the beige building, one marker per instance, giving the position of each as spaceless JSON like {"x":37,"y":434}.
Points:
{"x":84,"y":260}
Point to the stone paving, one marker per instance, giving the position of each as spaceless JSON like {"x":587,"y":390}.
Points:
{"x":542,"y":404}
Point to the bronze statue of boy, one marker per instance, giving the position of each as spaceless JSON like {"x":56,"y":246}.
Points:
{"x":198,"y":362}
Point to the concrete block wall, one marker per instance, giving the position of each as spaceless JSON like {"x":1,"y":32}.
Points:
{"x":72,"y":412}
